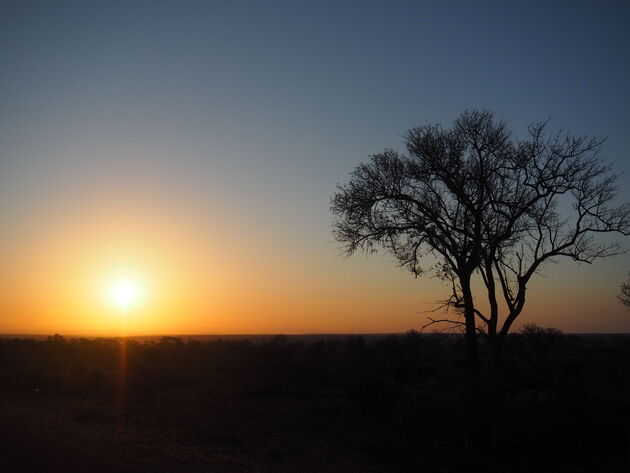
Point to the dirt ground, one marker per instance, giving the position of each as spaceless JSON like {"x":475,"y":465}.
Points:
{"x":185,"y":430}
{"x":390,"y":405}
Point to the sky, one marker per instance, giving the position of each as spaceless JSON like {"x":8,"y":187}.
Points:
{"x":193,"y":147}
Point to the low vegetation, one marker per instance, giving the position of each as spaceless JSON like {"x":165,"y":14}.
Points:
{"x":386,"y":403}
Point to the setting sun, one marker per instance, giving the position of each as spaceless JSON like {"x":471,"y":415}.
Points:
{"x":124,"y":293}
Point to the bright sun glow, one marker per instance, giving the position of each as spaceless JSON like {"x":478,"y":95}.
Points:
{"x":124,"y":293}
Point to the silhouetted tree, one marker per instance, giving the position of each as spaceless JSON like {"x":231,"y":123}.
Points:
{"x":482,"y":203}
{"x":624,"y":293}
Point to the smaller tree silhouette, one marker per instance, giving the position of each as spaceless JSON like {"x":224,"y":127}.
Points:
{"x":624,"y":293}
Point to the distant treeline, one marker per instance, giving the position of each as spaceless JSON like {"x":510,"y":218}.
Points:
{"x":535,"y":357}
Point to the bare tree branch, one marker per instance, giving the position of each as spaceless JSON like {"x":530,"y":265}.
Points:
{"x":624,"y":293}
{"x":483,"y":203}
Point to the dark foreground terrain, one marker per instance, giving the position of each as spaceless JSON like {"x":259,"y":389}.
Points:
{"x":283,"y":404}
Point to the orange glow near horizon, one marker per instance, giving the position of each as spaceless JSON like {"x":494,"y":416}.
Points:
{"x":155,"y":270}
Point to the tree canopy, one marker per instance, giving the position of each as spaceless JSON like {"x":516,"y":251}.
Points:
{"x":484,"y":203}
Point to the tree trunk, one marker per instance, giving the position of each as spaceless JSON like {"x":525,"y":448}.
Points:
{"x":496,"y":352}
{"x":471,"y":331}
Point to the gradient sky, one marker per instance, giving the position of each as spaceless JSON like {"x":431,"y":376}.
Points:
{"x":198,"y":144}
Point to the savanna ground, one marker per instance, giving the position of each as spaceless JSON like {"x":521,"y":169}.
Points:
{"x":330,"y":404}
